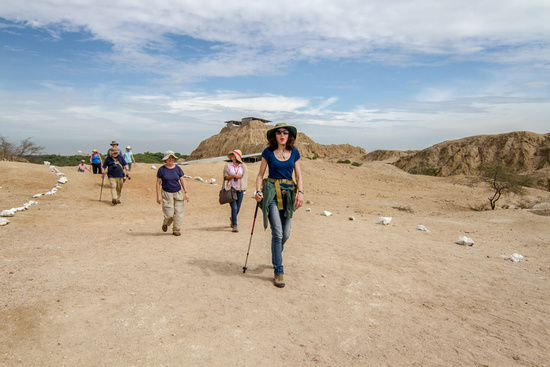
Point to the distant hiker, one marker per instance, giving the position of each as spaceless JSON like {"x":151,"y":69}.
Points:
{"x":114,"y":145}
{"x":96,"y":161}
{"x":235,"y":176}
{"x":82,"y":166}
{"x":171,"y":193}
{"x":117,"y":170}
{"x":128,"y":156}
{"x":279,"y":196}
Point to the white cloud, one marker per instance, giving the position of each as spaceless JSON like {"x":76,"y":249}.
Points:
{"x":286,"y":30}
{"x":183,"y":120}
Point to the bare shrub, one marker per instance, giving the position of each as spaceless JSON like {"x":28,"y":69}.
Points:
{"x":9,"y":152}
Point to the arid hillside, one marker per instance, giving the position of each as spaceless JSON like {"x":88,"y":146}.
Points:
{"x":526,"y":152}
{"x":387,"y":156}
{"x":523,"y":151}
{"x":251,"y":138}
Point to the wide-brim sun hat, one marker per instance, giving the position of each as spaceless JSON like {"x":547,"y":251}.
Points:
{"x":238,"y":155}
{"x":94,"y":150}
{"x":169,"y":154}
{"x":114,"y":142}
{"x":291,"y":129}
{"x":128,"y":147}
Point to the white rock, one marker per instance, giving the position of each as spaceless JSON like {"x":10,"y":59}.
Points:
{"x":326,"y":214}
{"x":46,"y":163}
{"x":37,"y":195}
{"x":516,"y":258}
{"x":7,"y":213}
{"x":62,"y":180}
{"x":351,"y":218}
{"x":420,"y":227}
{"x":308,"y":209}
{"x":384,"y":220}
{"x":153,"y":167}
{"x":463,"y":240}
{"x":60,"y":174}
{"x":212,"y":181}
{"x":3,"y":221}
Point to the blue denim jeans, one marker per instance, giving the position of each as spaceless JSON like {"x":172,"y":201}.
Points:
{"x":236,"y":207}
{"x":280,"y":232}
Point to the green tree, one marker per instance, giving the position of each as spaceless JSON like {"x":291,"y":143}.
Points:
{"x":502,"y":180}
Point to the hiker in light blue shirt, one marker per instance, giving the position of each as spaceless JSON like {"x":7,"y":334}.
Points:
{"x":128,"y":156}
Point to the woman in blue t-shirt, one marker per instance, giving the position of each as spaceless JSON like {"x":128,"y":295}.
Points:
{"x":171,"y":192}
{"x":278,"y":195}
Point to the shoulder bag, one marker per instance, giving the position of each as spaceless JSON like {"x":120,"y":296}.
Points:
{"x":227,"y":196}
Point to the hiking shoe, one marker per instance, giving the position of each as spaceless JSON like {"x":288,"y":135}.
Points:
{"x":279,"y":281}
{"x":177,"y":233}
{"x":235,"y":229}
{"x":164,"y":227}
{"x":114,"y":201}
{"x":118,"y":201}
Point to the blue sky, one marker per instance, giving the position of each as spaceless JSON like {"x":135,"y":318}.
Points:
{"x":161,"y":74}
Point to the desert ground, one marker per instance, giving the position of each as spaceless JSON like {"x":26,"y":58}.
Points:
{"x":85,"y":283}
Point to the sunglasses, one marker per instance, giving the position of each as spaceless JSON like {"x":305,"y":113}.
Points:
{"x":284,"y":132}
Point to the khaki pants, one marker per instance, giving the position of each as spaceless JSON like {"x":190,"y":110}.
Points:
{"x":116,"y":187}
{"x":173,"y":207}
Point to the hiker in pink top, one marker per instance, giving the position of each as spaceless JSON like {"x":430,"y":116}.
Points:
{"x":235,"y":175}
{"x":82,"y":166}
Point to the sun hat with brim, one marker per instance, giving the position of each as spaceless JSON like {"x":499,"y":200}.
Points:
{"x":238,"y":155}
{"x":114,"y":142}
{"x":291,"y":129}
{"x":169,"y":154}
{"x":94,"y":151}
{"x":128,"y":147}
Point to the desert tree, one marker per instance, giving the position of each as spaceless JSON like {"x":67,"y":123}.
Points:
{"x":28,"y":147}
{"x":502,"y":180}
{"x":8,"y":150}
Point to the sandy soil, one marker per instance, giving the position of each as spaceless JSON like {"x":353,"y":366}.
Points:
{"x":85,"y":283}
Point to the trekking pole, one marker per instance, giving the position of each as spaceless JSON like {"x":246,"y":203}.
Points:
{"x":251,"y":233}
{"x":101,"y":192}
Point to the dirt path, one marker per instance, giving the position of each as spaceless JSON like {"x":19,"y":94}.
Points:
{"x":84,"y":283}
